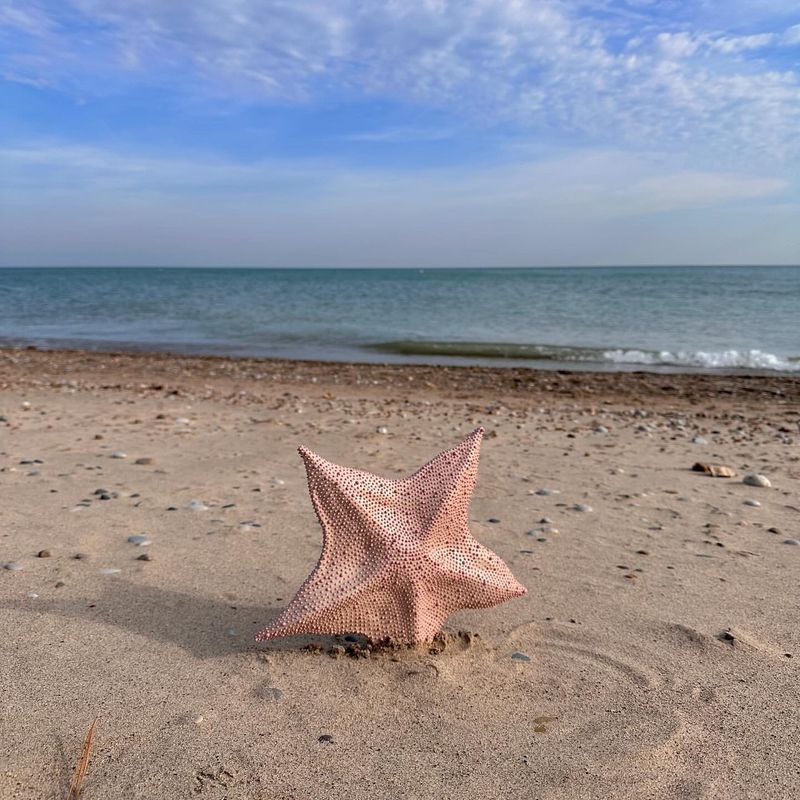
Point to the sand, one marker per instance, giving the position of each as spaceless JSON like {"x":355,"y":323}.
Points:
{"x":661,"y":626}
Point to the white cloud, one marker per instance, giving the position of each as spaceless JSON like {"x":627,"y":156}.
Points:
{"x":605,"y":70}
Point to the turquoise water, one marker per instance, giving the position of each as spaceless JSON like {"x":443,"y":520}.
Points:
{"x":709,"y":318}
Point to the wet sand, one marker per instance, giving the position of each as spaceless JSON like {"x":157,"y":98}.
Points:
{"x":660,"y":624}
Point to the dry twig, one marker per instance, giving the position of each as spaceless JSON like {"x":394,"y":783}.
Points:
{"x":82,"y":765}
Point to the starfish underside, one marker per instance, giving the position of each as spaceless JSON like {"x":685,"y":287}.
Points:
{"x":397,"y":556}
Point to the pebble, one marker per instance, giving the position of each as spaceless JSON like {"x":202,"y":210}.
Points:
{"x":44,"y":554}
{"x":699,"y":440}
{"x":546,"y":492}
{"x":139,"y":539}
{"x":179,"y":420}
{"x":581,"y":507}
{"x":600,"y":429}
{"x":144,"y":462}
{"x":32,"y":595}
{"x":109,"y":571}
{"x":381,"y":429}
{"x":118,"y":454}
{"x":13,"y":566}
{"x":792,"y":541}
{"x":196,"y":505}
{"x":326,"y":738}
{"x":144,"y":557}
{"x":493,"y":519}
{"x":545,"y":521}
{"x":517,"y":656}
{"x":752,"y":503}
{"x":754,"y":479}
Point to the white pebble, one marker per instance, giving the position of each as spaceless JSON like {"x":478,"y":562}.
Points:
{"x":754,"y":479}
{"x":118,"y":454}
{"x":13,"y":566}
{"x":32,"y":595}
{"x":109,"y":571}
{"x":381,"y":429}
{"x":582,"y":507}
{"x":139,"y":539}
{"x":196,"y":505}
{"x":699,"y":440}
{"x":792,"y":541}
{"x":752,"y":503}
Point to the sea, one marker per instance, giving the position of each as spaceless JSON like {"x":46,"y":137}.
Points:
{"x":685,"y":319}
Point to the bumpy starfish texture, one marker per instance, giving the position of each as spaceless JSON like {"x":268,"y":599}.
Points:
{"x":397,"y":556}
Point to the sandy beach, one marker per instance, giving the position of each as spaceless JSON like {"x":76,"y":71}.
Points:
{"x":655,"y":655}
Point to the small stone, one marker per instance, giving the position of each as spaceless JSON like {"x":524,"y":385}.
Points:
{"x":752,"y":503}
{"x":199,"y":720}
{"x":699,"y":440}
{"x":26,"y":406}
{"x":118,"y":454}
{"x":144,"y":557}
{"x":44,"y":554}
{"x":337,"y":651}
{"x":785,"y":541}
{"x":714,"y":470}
{"x":178,"y":420}
{"x":545,"y":521}
{"x":381,"y":429}
{"x":600,"y":429}
{"x":517,"y":656}
{"x":493,"y":520}
{"x":546,"y":492}
{"x":326,"y":738}
{"x":753,"y":479}
{"x":144,"y":462}
{"x":139,"y":539}
{"x":81,"y":556}
{"x":32,"y":595}
{"x":109,"y":571}
{"x":196,"y":505}
{"x":582,"y":507}
{"x":99,"y":492}
{"x":104,"y":496}
{"x":59,"y":584}
{"x":13,"y":566}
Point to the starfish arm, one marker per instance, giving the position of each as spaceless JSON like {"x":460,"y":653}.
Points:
{"x":442,"y":512}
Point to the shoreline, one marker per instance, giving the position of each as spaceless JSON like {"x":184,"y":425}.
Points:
{"x":87,"y":367}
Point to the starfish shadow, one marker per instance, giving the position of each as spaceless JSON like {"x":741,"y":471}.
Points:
{"x":205,"y":627}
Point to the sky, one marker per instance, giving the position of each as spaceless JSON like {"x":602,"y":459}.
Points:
{"x":399,"y":132}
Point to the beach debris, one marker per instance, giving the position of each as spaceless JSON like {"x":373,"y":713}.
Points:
{"x":714,"y":470}
{"x":139,"y":539}
{"x":752,"y":503}
{"x":419,"y":572}
{"x":83,"y":765}
{"x":754,"y":479}
{"x":517,"y":656}
{"x":118,"y":454}
{"x":13,"y":566}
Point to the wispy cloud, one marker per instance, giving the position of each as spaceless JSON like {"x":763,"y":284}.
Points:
{"x":603,"y":70}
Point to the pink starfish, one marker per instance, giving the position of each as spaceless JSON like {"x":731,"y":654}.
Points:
{"x":397,"y":556}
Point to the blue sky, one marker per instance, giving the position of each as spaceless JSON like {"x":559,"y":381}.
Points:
{"x":399,"y":132}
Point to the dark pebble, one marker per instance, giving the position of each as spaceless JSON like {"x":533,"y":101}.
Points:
{"x":144,"y":557}
{"x":517,"y":656}
{"x":59,"y":584}
{"x":325,"y":738}
{"x":44,"y":554}
{"x":493,"y":520}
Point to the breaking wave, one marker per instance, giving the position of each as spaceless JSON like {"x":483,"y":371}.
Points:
{"x":694,"y":359}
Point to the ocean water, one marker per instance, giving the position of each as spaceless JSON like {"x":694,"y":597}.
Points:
{"x":653,"y":318}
